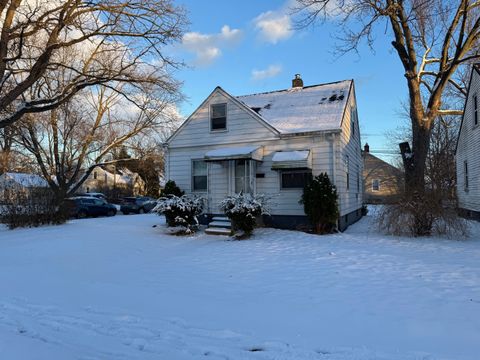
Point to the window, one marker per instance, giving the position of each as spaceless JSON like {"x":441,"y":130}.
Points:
{"x":475,"y":109}
{"x":465,"y":174}
{"x":218,"y":117}
{"x":353,"y":119}
{"x":295,"y":179}
{"x":95,"y":175}
{"x":358,"y":180}
{"x":199,"y":175}
{"x":347,"y":165}
{"x":375,"y":185}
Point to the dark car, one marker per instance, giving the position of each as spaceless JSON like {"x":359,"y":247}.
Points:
{"x":137,"y":205}
{"x":92,"y":194}
{"x":84,"y":206}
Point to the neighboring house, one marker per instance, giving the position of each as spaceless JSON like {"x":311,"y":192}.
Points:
{"x":383,"y":182}
{"x":270,"y":143}
{"x":13,"y":183}
{"x":468,"y":149}
{"x":104,"y":178}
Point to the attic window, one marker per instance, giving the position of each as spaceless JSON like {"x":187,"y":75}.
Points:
{"x":218,"y":117}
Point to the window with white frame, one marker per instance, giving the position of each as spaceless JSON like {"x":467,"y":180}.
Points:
{"x":465,"y":174}
{"x":199,"y":175}
{"x":375,"y":185}
{"x":295,"y":179}
{"x":218,"y":117}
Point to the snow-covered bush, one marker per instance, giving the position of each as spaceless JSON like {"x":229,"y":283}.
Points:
{"x":181,"y":212}
{"x":319,"y":201}
{"x":243,"y":209}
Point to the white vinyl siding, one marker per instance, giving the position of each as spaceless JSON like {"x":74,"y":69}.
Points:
{"x":468,"y":149}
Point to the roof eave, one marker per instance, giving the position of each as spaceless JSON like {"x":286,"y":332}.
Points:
{"x":311,"y":133}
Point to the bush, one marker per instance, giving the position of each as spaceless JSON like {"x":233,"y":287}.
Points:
{"x":242,"y":210}
{"x":31,"y":209}
{"x":319,"y":201}
{"x":181,"y":212}
{"x":171,"y":188}
{"x":435,"y":213}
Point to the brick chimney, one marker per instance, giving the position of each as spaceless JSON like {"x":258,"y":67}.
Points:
{"x":366,"y":148}
{"x":297,"y":82}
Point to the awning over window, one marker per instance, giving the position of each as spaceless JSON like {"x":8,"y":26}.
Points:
{"x":233,"y":153}
{"x":299,"y":159}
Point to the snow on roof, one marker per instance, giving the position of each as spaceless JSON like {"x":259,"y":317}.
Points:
{"x":233,"y":152}
{"x":307,"y":109}
{"x":298,"y":155}
{"x":26,"y":180}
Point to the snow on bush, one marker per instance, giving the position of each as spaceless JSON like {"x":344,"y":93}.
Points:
{"x":181,"y":212}
{"x":242,"y":209}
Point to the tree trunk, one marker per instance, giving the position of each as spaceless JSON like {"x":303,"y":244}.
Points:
{"x":416,"y":192}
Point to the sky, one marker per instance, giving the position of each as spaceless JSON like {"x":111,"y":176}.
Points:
{"x":253,"y":46}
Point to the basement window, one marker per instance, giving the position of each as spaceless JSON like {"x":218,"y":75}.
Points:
{"x":218,"y":117}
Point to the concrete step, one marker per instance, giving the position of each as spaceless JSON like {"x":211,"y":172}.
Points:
{"x":220,"y":218}
{"x":218,"y":231}
{"x":217,"y":223}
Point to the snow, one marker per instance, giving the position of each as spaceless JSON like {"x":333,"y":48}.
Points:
{"x":281,"y":156}
{"x":24,"y":180}
{"x":118,"y":288}
{"x":298,"y":110}
{"x":240,"y":151}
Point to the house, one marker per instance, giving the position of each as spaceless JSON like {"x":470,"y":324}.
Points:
{"x":19,"y":183}
{"x":383,"y":182}
{"x":111,"y":178}
{"x":468,"y":149}
{"x":270,"y":143}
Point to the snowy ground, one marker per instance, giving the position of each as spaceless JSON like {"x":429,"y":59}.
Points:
{"x":117,"y":288}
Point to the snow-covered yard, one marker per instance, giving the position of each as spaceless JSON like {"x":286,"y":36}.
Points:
{"x":117,"y":288}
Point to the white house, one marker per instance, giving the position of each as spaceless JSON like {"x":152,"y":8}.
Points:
{"x":268,"y":143}
{"x":111,"y":178}
{"x":468,"y":149}
{"x":14,"y":183}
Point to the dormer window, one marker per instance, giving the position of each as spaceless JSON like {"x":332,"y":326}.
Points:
{"x":218,"y":117}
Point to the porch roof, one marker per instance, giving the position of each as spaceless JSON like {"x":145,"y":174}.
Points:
{"x":297,"y":159}
{"x":233,"y":153}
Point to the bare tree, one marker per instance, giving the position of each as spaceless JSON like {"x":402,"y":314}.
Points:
{"x":114,"y":39}
{"x":70,"y":141}
{"x":432,"y":38}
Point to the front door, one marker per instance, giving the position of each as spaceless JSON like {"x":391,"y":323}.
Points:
{"x":244,"y":176}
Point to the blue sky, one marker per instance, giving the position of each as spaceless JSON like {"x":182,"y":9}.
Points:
{"x":250,"y":46}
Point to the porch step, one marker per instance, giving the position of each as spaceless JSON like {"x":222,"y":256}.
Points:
{"x":220,"y":224}
{"x":218,"y":231}
{"x":220,"y":218}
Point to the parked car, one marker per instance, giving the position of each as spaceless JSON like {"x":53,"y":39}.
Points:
{"x":83,"y":206}
{"x":137,"y":205}
{"x":92,"y":194}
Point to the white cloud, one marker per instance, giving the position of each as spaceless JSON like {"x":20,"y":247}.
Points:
{"x":274,"y":26}
{"x":207,"y":47}
{"x":269,"y":72}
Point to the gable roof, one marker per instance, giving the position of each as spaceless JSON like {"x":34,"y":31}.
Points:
{"x":368,"y":156}
{"x":298,"y":110}
{"x":26,"y":180}
{"x":218,"y":89}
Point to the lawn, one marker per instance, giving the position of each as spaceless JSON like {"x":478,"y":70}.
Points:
{"x":118,"y":288}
